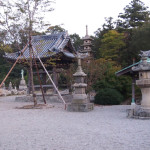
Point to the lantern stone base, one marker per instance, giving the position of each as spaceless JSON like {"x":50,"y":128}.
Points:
{"x":139,"y":113}
{"x":77,"y":107}
{"x":22,"y":85}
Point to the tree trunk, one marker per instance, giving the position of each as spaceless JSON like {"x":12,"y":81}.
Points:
{"x":31,"y":63}
{"x":29,"y":82}
{"x":31,"y":74}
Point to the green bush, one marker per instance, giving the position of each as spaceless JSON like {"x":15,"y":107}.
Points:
{"x":108,"y":96}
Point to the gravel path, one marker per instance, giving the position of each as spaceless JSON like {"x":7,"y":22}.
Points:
{"x":105,"y":128}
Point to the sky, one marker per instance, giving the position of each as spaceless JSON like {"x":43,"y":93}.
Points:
{"x":74,"y":15}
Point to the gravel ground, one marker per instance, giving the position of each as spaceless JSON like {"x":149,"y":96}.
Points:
{"x":104,"y":128}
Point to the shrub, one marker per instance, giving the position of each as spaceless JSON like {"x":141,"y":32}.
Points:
{"x":108,"y":96}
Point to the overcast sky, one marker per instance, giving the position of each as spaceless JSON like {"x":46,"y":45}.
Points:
{"x":76,"y":14}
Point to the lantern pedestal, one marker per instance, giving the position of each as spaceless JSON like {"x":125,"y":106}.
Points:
{"x":80,"y":101}
{"x":143,"y":111}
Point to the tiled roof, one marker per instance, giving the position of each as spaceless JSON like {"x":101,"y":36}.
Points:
{"x":46,"y":46}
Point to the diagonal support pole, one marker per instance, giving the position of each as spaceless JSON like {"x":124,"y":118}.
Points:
{"x":50,"y":79}
{"x":39,"y":77}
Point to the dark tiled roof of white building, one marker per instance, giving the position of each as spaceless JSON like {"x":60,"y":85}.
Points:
{"x":46,"y":46}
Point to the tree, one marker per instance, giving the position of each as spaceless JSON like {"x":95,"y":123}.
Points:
{"x":111,"y":81}
{"x":140,"y":40}
{"x":111,"y":45}
{"x":97,"y":39}
{"x":94,"y":73}
{"x":27,"y":15}
{"x":109,"y":25}
{"x":55,"y":29}
{"x":135,"y":14}
{"x":97,"y":42}
{"x":77,"y":41}
{"x":16,"y":17}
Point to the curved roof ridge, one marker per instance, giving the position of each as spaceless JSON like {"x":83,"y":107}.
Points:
{"x":45,"y":45}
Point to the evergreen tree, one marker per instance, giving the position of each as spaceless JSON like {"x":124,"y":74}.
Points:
{"x":109,"y":24}
{"x":140,"y":40}
{"x":135,"y":14}
{"x":55,"y":29}
{"x":77,"y":41}
{"x":97,"y":39}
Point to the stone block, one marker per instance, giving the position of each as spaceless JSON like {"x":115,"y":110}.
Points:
{"x":138,"y":113}
{"x":79,"y":101}
{"x":79,"y":96}
{"x":48,"y":98}
{"x":80,"y":107}
{"x":129,"y":113}
{"x":22,"y":85}
{"x":5,"y":92}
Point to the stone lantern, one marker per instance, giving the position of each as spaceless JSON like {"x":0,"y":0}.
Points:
{"x":22,"y":85}
{"x":80,"y":101}
{"x":144,"y":83}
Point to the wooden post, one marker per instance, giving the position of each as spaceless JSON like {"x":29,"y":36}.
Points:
{"x":29,"y":82}
{"x":44,"y":81}
{"x":55,"y":79}
{"x":133,"y":90}
{"x":51,"y":80}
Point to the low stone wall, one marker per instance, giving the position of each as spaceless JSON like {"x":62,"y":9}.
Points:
{"x":48,"y":98}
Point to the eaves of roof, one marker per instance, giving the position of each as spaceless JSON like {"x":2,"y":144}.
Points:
{"x":45,"y":46}
{"x":126,"y":69}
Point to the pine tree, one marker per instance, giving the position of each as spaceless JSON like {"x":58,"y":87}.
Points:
{"x":135,"y":14}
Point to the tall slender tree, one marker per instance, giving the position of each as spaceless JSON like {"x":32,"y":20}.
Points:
{"x":27,"y":15}
{"x":140,"y":40}
{"x":77,"y":41}
{"x":16,"y":16}
{"x":109,"y":24}
{"x":135,"y":14}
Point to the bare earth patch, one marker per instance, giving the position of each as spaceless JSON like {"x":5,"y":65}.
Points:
{"x":38,"y":106}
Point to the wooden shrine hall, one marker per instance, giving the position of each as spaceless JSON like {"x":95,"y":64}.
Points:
{"x":56,"y":52}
